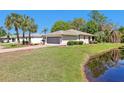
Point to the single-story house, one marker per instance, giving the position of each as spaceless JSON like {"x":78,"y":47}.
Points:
{"x":62,"y":37}
{"x":4,"y":39}
{"x":35,"y":38}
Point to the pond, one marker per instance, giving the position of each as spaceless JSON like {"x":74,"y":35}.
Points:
{"x":108,"y":67}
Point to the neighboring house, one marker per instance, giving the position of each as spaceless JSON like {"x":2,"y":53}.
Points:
{"x":35,"y":38}
{"x":4,"y":39}
{"x":62,"y":37}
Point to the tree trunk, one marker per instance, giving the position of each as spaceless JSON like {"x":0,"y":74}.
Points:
{"x":29,"y":37}
{"x":17,"y":34}
{"x":23,"y":38}
{"x":8,"y":37}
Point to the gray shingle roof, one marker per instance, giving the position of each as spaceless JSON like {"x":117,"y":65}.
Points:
{"x":68,"y":32}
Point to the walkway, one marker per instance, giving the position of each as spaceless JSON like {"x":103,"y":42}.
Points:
{"x":23,"y":48}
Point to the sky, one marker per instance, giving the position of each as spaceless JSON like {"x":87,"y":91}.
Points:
{"x":46,"y":18}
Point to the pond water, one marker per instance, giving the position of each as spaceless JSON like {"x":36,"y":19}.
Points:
{"x":108,"y":67}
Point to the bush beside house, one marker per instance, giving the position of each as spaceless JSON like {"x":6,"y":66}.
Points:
{"x":75,"y":43}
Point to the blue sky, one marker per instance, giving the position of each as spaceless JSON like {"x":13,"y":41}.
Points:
{"x":46,"y":18}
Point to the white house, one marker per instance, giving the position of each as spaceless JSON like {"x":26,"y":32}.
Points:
{"x":62,"y":37}
{"x":35,"y":38}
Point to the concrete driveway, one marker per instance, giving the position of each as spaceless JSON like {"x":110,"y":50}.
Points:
{"x":2,"y":50}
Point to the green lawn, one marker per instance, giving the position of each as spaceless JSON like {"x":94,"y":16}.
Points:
{"x":11,"y":45}
{"x":48,"y":64}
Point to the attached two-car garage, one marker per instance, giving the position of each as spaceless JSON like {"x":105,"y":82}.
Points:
{"x":53,"y":40}
{"x":61,"y":40}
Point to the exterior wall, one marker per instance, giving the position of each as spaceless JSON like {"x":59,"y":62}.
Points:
{"x":36,"y":40}
{"x":11,"y":41}
{"x":91,"y":38}
{"x":33,"y":40}
{"x":21,"y":39}
{"x":65,"y":39}
{"x":85,"y":39}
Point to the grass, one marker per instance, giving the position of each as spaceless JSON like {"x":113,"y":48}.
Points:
{"x":48,"y":64}
{"x":10,"y":45}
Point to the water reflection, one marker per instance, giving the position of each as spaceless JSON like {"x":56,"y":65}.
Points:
{"x":106,"y":67}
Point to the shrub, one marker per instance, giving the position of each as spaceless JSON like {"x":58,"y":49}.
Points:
{"x":80,"y":42}
{"x":93,"y":42}
{"x":70,"y":43}
{"x":74,"y":42}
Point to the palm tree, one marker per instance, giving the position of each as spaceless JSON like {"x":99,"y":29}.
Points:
{"x":14,"y":21}
{"x":8,"y":25}
{"x":45,"y":31}
{"x":32,"y":28}
{"x":2,"y":32}
{"x":25,"y":26}
{"x":114,"y":37}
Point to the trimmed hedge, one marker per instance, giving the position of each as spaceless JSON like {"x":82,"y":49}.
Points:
{"x":75,"y":43}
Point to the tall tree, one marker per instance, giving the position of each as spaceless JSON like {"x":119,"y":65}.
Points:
{"x":44,"y":30}
{"x":77,"y":23}
{"x":109,"y":26}
{"x":2,"y":32}
{"x":99,"y":18}
{"x":25,"y":26}
{"x":60,"y":25}
{"x":8,"y":25}
{"x":91,"y":27}
{"x":121,"y":29}
{"x":102,"y":36}
{"x":32,"y":28}
{"x":15,"y":22}
{"x":115,"y":37}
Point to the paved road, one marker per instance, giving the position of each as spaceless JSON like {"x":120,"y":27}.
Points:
{"x":23,"y":48}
